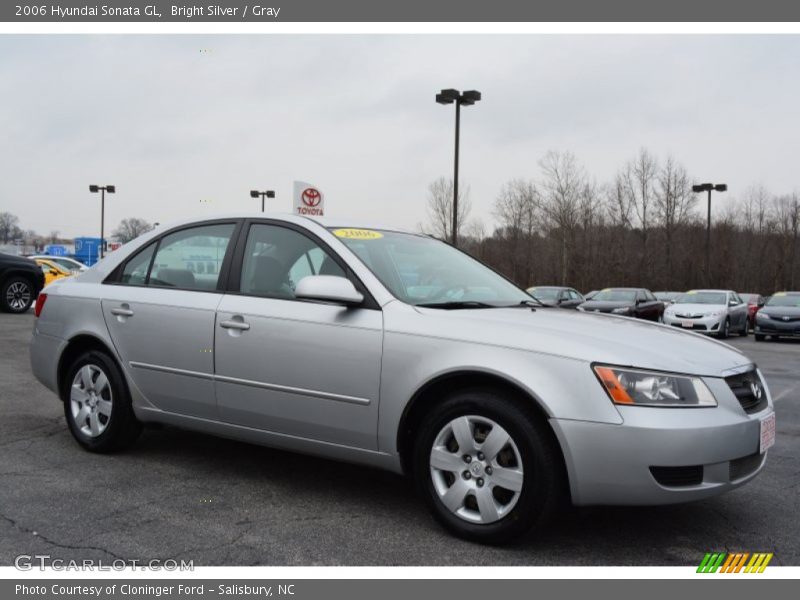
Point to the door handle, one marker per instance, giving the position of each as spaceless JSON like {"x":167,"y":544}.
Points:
{"x":240,"y":325}
{"x":122,"y":312}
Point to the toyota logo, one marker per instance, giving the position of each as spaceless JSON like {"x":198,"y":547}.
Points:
{"x":786,"y":318}
{"x":311,"y":197}
{"x":756,"y":389}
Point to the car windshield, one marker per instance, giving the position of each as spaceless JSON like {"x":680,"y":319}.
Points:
{"x":702,"y":298}
{"x":544,"y":293}
{"x":782,"y":299}
{"x":420,"y":270}
{"x":615,"y":296}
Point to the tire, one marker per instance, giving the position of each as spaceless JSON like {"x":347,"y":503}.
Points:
{"x":745,"y":331}
{"x":530,"y":459}
{"x":725,"y":330}
{"x":16,"y":295}
{"x":101,"y":420}
{"x":759,"y":337}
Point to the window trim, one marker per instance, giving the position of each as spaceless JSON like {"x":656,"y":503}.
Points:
{"x":234,"y":274}
{"x":116,"y":274}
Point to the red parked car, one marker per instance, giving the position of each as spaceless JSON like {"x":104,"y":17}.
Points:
{"x":754,"y":302}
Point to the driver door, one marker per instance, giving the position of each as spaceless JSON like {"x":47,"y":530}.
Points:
{"x":294,"y":367}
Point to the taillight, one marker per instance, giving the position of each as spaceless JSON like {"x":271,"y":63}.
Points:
{"x":40,"y":300}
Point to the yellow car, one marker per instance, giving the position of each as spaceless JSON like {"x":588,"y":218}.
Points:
{"x":52,"y":271}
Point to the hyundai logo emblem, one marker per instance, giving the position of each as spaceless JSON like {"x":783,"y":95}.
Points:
{"x":756,"y":389}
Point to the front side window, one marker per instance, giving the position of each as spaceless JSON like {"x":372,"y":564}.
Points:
{"x":277,"y":258}
{"x":423,"y":271}
{"x":180,"y":253}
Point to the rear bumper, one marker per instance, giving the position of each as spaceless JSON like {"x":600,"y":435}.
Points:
{"x":612,"y":464}
{"x":45,"y":351}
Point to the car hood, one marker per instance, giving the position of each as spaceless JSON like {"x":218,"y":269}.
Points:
{"x":781,"y":311}
{"x":696,"y":308}
{"x":584,"y":336}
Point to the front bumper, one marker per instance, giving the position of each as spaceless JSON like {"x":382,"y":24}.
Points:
{"x":613,"y":464}
{"x":702,"y":324}
{"x":776,"y":327}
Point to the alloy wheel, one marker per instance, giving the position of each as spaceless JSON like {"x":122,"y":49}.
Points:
{"x":476,"y":469}
{"x":18,"y":295}
{"x":91,"y":400}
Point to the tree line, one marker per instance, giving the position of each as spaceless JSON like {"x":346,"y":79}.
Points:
{"x":645,"y":227}
{"x":12,"y":234}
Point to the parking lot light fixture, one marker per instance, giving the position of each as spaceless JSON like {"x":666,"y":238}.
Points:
{"x":111,"y":189}
{"x":709,"y":187}
{"x":453,"y":96}
{"x":262,"y":195}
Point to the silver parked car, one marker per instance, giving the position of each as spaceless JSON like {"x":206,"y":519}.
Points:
{"x":718,"y":312}
{"x":395,"y":350}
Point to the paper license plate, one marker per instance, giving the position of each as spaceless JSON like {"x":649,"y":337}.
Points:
{"x":767,"y":433}
{"x":687,"y":324}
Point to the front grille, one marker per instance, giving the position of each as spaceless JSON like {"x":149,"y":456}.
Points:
{"x":678,"y":476}
{"x":742,"y":467}
{"x":749,"y":391}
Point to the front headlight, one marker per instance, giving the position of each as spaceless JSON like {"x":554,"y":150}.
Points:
{"x":715,"y":313}
{"x":652,"y":388}
{"x":624,"y":310}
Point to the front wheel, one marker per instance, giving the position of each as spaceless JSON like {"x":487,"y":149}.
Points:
{"x":97,"y":404}
{"x":724,"y":329}
{"x":488,"y":470}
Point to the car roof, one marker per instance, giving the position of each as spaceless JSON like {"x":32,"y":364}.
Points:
{"x":327,"y":222}
{"x":715,"y":291}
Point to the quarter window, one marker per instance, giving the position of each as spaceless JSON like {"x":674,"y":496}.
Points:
{"x":135,"y":271}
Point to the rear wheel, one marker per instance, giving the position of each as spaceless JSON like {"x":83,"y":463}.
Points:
{"x":488,"y":470}
{"x":16,"y":295}
{"x":97,"y":404}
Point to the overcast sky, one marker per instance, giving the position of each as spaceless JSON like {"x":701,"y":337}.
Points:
{"x":173,"y":120}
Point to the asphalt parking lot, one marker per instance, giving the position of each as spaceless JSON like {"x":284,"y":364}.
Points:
{"x":186,"y":496}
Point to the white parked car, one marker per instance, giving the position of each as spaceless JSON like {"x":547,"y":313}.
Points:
{"x":70,"y":264}
{"x":717,"y":312}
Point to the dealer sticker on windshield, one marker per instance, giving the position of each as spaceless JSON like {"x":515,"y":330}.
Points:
{"x":358,"y":234}
{"x":767,"y":433}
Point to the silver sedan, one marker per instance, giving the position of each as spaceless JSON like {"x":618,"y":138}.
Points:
{"x":394,"y":350}
{"x":717,"y":312}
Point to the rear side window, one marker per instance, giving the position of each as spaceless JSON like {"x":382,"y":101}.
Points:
{"x":190,"y":259}
{"x":135,"y":271}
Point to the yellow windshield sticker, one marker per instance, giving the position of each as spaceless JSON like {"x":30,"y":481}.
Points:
{"x":691,"y":292}
{"x":780,"y":293}
{"x":358,"y":234}
{"x":606,"y":290}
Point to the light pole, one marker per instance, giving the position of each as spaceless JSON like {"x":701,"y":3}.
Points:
{"x":266,"y":194}
{"x":708,"y":187}
{"x":111,"y":189}
{"x":451,"y":96}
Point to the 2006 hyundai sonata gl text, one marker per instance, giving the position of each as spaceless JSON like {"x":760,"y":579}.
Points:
{"x":397,"y":351}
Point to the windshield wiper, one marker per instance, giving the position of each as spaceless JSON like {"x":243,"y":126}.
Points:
{"x":456,"y":304}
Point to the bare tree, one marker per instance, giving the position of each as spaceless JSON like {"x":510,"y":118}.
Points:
{"x":563,"y":181}
{"x":516,"y":210}
{"x":674,"y":201}
{"x":9,"y":226}
{"x":131,"y":228}
{"x":440,"y":208}
{"x":639,"y":177}
{"x":53,"y":238}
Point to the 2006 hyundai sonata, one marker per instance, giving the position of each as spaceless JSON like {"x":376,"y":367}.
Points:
{"x":398,"y":351}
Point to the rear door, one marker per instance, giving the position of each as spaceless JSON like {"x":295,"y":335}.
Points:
{"x":160,"y":313}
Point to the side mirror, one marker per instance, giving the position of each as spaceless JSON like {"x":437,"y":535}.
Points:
{"x":733,"y":303}
{"x":328,"y":288}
